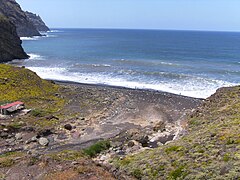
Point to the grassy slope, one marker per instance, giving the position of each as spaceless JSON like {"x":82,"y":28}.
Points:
{"x":22,"y":84}
{"x":211,"y":150}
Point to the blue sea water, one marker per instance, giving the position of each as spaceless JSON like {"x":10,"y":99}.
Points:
{"x":190,"y":63}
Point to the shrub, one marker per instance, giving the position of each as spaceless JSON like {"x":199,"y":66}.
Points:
{"x":173,"y":149}
{"x":38,"y":113}
{"x":97,"y":148}
{"x":137,"y":173}
{"x":178,"y":173}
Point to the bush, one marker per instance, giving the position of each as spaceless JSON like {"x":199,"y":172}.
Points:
{"x":137,"y":173}
{"x":173,"y":149}
{"x":178,"y":173}
{"x":38,"y":113}
{"x":97,"y":148}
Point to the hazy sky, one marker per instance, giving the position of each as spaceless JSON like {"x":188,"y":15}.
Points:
{"x":221,"y":15}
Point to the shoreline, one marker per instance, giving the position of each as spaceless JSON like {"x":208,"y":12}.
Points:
{"x":63,"y":82}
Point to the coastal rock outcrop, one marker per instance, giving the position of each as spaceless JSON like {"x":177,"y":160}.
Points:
{"x":37,"y":21}
{"x":12,"y":10}
{"x":10,"y":43}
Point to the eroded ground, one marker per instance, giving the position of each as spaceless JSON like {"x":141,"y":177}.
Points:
{"x":91,"y":113}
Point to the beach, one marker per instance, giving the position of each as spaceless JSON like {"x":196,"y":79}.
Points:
{"x":109,"y":111}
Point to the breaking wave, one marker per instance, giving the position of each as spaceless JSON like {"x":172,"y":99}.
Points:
{"x":198,"y":87}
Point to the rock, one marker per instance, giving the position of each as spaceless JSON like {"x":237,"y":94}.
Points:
{"x":10,"y":46}
{"x":5,"y":130}
{"x":12,"y":10}
{"x":33,"y":139}
{"x":160,"y":126}
{"x":52,"y":117}
{"x":3,"y":135}
{"x":144,"y":141}
{"x":62,"y":136}
{"x":43,"y":141}
{"x":103,"y":158}
{"x":27,"y":129}
{"x":37,"y":21}
{"x":51,"y":139}
{"x":131,"y":143}
{"x":44,"y":132}
{"x":75,"y":135}
{"x":18,"y":136}
{"x":11,"y":140}
{"x":163,"y":138}
{"x":82,"y":118}
{"x":68,"y":127}
{"x":120,"y":152}
{"x":74,"y":163}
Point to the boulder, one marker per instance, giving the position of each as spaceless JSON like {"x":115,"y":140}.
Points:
{"x":68,"y":127}
{"x":43,"y":141}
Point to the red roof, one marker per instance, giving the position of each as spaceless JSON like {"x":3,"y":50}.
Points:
{"x":12,"y":104}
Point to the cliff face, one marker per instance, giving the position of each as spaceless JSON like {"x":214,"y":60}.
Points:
{"x":10,"y":43}
{"x":12,"y":10}
{"x":37,"y":21}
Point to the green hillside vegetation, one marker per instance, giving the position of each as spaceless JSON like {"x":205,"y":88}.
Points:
{"x":22,"y":84}
{"x":211,"y":150}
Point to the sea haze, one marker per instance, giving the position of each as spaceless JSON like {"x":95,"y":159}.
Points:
{"x":190,"y":63}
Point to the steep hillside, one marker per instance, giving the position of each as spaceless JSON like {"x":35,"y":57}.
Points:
{"x":12,"y":10}
{"x":211,"y":150}
{"x":37,"y":21}
{"x":10,"y":43}
{"x":22,"y":84}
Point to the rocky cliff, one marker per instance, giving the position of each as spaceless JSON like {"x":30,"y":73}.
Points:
{"x":10,"y":43}
{"x":37,"y":21}
{"x":12,"y":10}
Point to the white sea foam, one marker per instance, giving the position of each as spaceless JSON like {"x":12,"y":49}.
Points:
{"x":50,"y":36}
{"x":198,"y":89}
{"x":35,"y":56}
{"x":101,"y":65}
{"x":54,"y":31}
{"x":152,"y":63}
{"x":34,"y":38}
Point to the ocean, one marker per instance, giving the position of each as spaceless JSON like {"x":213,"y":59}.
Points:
{"x":189,"y":63}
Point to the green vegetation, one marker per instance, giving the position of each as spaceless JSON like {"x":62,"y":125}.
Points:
{"x":67,"y":155}
{"x":173,"y":149}
{"x":211,"y":150}
{"x":8,"y":159}
{"x":178,"y":173}
{"x":137,"y":173}
{"x":97,"y":148}
{"x":38,"y":113}
{"x":22,"y":84}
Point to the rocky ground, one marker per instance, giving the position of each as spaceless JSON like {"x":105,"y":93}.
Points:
{"x":210,"y":149}
{"x":131,"y":120}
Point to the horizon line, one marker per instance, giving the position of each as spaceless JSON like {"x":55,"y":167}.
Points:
{"x":151,"y":29}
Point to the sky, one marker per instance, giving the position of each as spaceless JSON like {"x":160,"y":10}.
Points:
{"x":210,"y":15}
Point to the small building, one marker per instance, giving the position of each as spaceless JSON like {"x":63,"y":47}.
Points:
{"x":12,"y":108}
